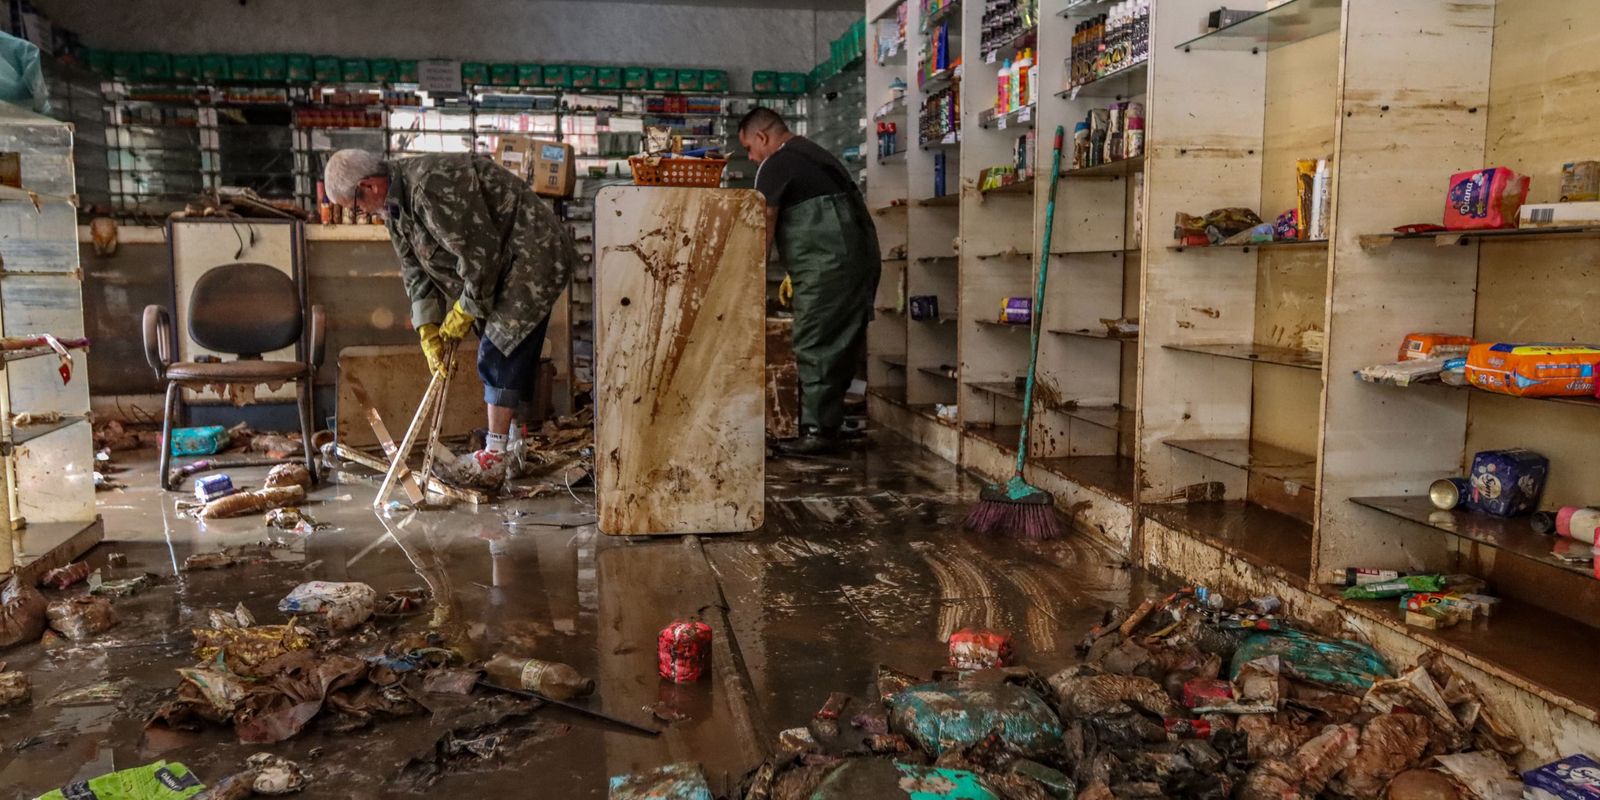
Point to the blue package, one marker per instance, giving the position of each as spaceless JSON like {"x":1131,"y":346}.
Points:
{"x":212,"y":487}
{"x":1575,"y":777}
{"x":1506,"y":483}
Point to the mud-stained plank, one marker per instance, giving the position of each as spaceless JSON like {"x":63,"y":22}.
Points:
{"x":680,"y":360}
{"x":783,"y":381}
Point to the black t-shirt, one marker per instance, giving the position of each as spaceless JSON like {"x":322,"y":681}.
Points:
{"x":801,"y":171}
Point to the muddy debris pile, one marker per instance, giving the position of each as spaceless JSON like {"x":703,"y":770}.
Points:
{"x":1182,"y":698}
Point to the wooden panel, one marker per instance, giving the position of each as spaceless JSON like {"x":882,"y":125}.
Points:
{"x":1397,"y":143}
{"x":391,"y":379}
{"x":198,"y":246}
{"x":679,"y":359}
{"x":1205,"y":123}
{"x":783,"y":380}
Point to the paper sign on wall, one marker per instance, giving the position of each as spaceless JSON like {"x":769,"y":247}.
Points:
{"x":439,"y":77}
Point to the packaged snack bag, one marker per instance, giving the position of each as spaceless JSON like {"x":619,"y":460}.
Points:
{"x":1433,"y":345}
{"x":1484,"y":198}
{"x":1533,"y":370}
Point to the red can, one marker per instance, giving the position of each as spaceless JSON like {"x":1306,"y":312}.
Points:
{"x":683,"y":651}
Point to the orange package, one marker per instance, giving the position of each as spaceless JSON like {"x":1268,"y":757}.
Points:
{"x":1433,"y":345}
{"x":1533,"y":370}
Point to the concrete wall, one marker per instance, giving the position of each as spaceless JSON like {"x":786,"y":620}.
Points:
{"x":736,"y":39}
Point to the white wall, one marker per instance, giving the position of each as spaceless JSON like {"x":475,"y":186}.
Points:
{"x":543,"y":31}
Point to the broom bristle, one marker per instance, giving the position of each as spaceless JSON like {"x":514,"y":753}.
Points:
{"x":1026,"y":520}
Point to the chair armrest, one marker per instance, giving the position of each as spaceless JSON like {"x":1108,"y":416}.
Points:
{"x":158,"y":339}
{"x":319,"y":336}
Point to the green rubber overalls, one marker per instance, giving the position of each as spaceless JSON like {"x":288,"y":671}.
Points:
{"x":830,"y":247}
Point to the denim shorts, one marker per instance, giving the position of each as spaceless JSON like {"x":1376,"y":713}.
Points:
{"x":509,"y":378}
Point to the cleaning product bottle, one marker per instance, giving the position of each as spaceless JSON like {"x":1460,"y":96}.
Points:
{"x":1024,"y":80}
{"x":553,"y":680}
{"x":1002,"y":87}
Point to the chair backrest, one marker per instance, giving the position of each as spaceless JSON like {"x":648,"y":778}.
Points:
{"x":248,"y":309}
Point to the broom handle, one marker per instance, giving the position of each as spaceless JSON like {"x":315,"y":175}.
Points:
{"x":1038,"y":300}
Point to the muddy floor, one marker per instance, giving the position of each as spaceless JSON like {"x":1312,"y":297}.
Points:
{"x":861,"y":562}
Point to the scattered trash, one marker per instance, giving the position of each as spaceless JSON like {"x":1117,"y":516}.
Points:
{"x":450,"y":681}
{"x":290,"y":518}
{"x":163,"y":780}
{"x":103,"y":693}
{"x":82,"y":616}
{"x":683,"y":651}
{"x":276,"y":774}
{"x":14,"y":688}
{"x":1390,"y":744}
{"x":22,"y":614}
{"x":126,"y":587}
{"x":239,"y":617}
{"x":243,"y":650}
{"x":1486,"y":776}
{"x":1567,"y":778}
{"x":943,"y":716}
{"x":212,"y":487}
{"x":878,"y":778}
{"x":203,"y":441}
{"x":62,"y":577}
{"x":402,"y":602}
{"x":681,"y":781}
{"x":241,"y":503}
{"x":292,"y":474}
{"x":979,"y":649}
{"x":551,"y":679}
{"x":339,"y":606}
{"x":1340,"y":665}
{"x":116,"y":560}
{"x":197,"y":562}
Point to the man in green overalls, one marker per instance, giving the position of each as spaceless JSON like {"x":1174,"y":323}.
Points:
{"x":828,"y":244}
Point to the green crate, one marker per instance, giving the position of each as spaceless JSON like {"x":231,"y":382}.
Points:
{"x":635,"y":78}
{"x":583,"y":77}
{"x":791,"y":83}
{"x":503,"y":74}
{"x":355,"y":70}
{"x":714,"y":80}
{"x":689,"y":80}
{"x":273,"y":67}
{"x":406,"y":71}
{"x":186,"y":68}
{"x":473,"y":73}
{"x":325,"y":69}
{"x":297,"y":67}
{"x":384,"y":70}
{"x":764,"y":81}
{"x":530,"y":75}
{"x":664,"y":79}
{"x":125,"y":65}
{"x":99,"y":61}
{"x":243,"y":68}
{"x":608,"y":77}
{"x":155,"y":66}
{"x":557,"y":76}
{"x":213,"y":67}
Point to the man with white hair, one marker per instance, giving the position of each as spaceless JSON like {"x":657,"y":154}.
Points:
{"x":478,"y":250}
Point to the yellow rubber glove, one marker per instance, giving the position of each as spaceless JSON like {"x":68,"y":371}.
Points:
{"x":785,"y":292}
{"x":456,"y":323}
{"x":433,"y":347}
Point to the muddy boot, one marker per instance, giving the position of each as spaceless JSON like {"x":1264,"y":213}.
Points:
{"x":813,"y":441}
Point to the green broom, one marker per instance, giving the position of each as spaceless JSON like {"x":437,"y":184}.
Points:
{"x":1017,"y":507}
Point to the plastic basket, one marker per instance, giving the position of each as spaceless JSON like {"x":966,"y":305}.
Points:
{"x":651,"y":171}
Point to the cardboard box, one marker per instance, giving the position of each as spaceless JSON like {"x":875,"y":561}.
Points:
{"x":1558,"y":215}
{"x":549,"y":167}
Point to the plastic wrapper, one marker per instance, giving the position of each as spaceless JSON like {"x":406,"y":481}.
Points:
{"x":15,"y":688}
{"x":241,"y":503}
{"x":22,"y":614}
{"x":1434,"y":345}
{"x":683,"y":651}
{"x":204,"y":441}
{"x":339,"y":606}
{"x":1417,"y":692}
{"x":1390,"y":744}
{"x":1574,"y":777}
{"x":62,"y":577}
{"x":1487,"y":777}
{"x":1101,"y":695}
{"x":1403,"y":585}
{"x":681,"y":781}
{"x":862,"y":778}
{"x":1337,"y":664}
{"x":244,"y":650}
{"x":1307,"y":772}
{"x":163,"y":780}
{"x":275,"y":774}
{"x":1484,"y":199}
{"x":80,"y":617}
{"x":288,"y":475}
{"x":1214,"y":226}
{"x":972,"y":648}
{"x":1533,"y":370}
{"x":952,"y":714}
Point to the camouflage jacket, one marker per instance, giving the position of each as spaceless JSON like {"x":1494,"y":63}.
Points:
{"x":466,"y":229}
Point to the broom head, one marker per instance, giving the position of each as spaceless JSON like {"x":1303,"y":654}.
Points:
{"x":1016,"y":509}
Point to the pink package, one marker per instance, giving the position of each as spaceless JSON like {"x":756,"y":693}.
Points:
{"x":1484,"y":198}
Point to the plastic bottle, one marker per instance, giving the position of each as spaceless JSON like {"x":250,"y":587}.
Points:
{"x":1003,"y":89}
{"x":1022,"y":90}
{"x":553,"y":680}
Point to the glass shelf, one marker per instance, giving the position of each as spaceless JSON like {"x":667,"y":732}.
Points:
{"x":1293,"y":21}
